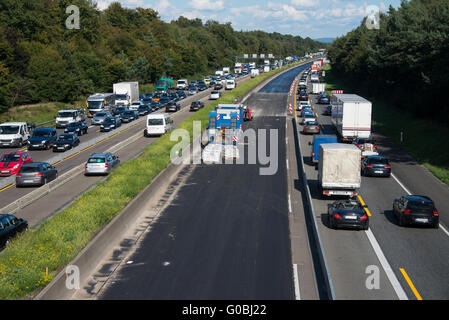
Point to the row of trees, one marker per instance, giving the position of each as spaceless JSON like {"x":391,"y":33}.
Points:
{"x":42,"y":60}
{"x":406,"y":60}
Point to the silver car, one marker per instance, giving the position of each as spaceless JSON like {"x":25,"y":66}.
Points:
{"x":101,"y":163}
{"x":100,"y":116}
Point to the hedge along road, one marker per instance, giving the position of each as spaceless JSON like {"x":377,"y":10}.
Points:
{"x":58,"y":240}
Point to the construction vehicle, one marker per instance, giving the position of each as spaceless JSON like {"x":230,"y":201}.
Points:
{"x":225,"y":127}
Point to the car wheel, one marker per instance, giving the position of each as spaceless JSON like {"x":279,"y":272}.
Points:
{"x":331,"y":222}
{"x":400,"y":221}
{"x":436,"y":225}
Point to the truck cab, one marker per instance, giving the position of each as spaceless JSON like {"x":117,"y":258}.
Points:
{"x":65,"y":117}
{"x":14,"y":134}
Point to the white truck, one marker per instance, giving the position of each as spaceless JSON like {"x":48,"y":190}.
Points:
{"x":182,"y":84}
{"x":126,"y":93}
{"x":339,"y":168}
{"x":252,"y":65}
{"x":226,"y":71}
{"x":266,"y":69}
{"x":219,"y":73}
{"x":238,"y":68}
{"x":14,"y":134}
{"x":318,"y":87}
{"x":351,"y":116}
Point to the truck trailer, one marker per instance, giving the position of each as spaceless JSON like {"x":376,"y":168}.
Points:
{"x":351,"y":116}
{"x":126,"y":92}
{"x":339,"y":168}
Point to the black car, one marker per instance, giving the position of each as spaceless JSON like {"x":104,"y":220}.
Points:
{"x":148,"y":95}
{"x":144,"y":109}
{"x":35,"y":174}
{"x":416,"y":210}
{"x":110,"y":123}
{"x":164,"y":101}
{"x":42,"y":138}
{"x":181,"y":94}
{"x":155,"y":106}
{"x":376,"y":166}
{"x":10,"y":226}
{"x":147,"y":100}
{"x":303,"y":96}
{"x":196,"y":105}
{"x":328,"y":111}
{"x":218,"y":86}
{"x":324,"y":99}
{"x":118,"y":111}
{"x":129,"y":115}
{"x":173,"y":96}
{"x":65,"y":142}
{"x":347,"y":214}
{"x":172,"y":107}
{"x":78,"y":128}
{"x":202,"y":87}
{"x":301,"y":88}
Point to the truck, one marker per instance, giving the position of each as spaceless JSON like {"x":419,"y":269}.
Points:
{"x":126,"y":92}
{"x":14,"y":134}
{"x":314,"y":78}
{"x":318,"y":87}
{"x":351,"y":116}
{"x":339,"y":168}
{"x":102,"y":102}
{"x":254,"y":73}
{"x":219,"y":73}
{"x":252,"y":65}
{"x":266,"y":62}
{"x":266,"y":68}
{"x":164,"y":84}
{"x":238,"y":68}
{"x":225,"y":127}
{"x":226,"y":70}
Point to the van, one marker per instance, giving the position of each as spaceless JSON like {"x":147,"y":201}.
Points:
{"x":317,"y":141}
{"x":230,"y":84}
{"x":158,"y":124}
{"x":14,"y":134}
{"x":182,"y":84}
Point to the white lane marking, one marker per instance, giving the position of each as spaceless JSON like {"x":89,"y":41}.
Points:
{"x":409,"y":193}
{"x":289,"y":204}
{"x":296,"y":279}
{"x":286,"y":160}
{"x":403,"y":187}
{"x":386,"y":266}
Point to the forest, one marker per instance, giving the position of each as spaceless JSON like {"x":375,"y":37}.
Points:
{"x":42,"y":60}
{"x":405,"y":60}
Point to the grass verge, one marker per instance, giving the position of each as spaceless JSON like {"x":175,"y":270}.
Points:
{"x":57,"y":241}
{"x":424,"y":140}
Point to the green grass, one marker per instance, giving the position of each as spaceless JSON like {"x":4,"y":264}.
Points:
{"x":57,"y":241}
{"x":424,"y":140}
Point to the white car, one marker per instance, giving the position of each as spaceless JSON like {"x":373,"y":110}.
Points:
{"x":308,"y":118}
{"x":135,"y":105}
{"x":214,"y":95}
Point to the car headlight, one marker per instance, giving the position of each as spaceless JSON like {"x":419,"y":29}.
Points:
{"x":43,"y":141}
{"x":16,"y":166}
{"x":67,"y":145}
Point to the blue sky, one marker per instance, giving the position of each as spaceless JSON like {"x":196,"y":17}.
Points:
{"x":306,"y":18}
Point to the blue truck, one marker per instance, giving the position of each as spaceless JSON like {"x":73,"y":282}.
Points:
{"x":317,"y":141}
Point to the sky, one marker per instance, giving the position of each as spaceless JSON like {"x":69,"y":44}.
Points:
{"x":305,"y":18}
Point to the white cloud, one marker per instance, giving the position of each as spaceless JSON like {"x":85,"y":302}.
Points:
{"x":207,"y":5}
{"x":304,"y":3}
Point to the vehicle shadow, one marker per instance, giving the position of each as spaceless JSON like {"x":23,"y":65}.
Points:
{"x":325,"y":220}
{"x":389,"y":215}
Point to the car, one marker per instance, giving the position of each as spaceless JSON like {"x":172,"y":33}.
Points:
{"x":192,"y":90}
{"x":135,"y":105}
{"x":11,"y":162}
{"x":66,"y":141}
{"x":118,"y":111}
{"x":101,"y":163}
{"x":328,"y":111}
{"x":193,"y":83}
{"x":147,"y":101}
{"x":36,"y":174}
{"x":302,"y":88}
{"x":157,"y":96}
{"x":110,"y":123}
{"x":78,"y":128}
{"x":311,"y":127}
{"x":360,"y":142}
{"x":173,"y":96}
{"x":155,"y":106}
{"x":149,"y":95}
{"x":10,"y":226}
{"x":349,"y":213}
{"x":129,"y":115}
{"x":164,"y":101}
{"x":172,"y":106}
{"x":415,"y":210}
{"x":141,"y":97}
{"x":218,"y":86}
{"x":323,"y":99}
{"x":214,"y":95}
{"x":378,"y":166}
{"x":144,"y":110}
{"x":306,"y":109}
{"x":181,"y":94}
{"x":196,"y":105}
{"x":100,"y":116}
{"x":202,"y":87}
{"x":368,"y":149}
{"x":42,"y":138}
{"x":308,"y":117}
{"x":303,"y":96}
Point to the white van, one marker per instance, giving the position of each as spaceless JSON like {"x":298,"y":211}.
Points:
{"x":182,"y":84}
{"x":158,"y":124}
{"x":13,"y":134}
{"x":230,"y":84}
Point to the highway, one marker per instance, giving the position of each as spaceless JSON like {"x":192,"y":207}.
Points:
{"x":64,"y":195}
{"x":225,"y":232}
{"x":418,"y":257}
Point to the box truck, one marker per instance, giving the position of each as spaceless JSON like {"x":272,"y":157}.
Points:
{"x":254,"y":73}
{"x":339,"y":167}
{"x":126,"y":92}
{"x":318,"y":87}
{"x":351,"y":116}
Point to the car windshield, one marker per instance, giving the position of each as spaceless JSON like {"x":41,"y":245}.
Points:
{"x":100,"y":114}
{"x":349,"y":205}
{"x":96,"y":160}
{"x":128,"y":113}
{"x":73,"y":125}
{"x":65,"y":114}
{"x":378,"y":161}
{"x":65,"y":137}
{"x":312,"y":123}
{"x":420,"y":205}
{"x":9,"y":129}
{"x":155,"y":122}
{"x":308,"y":115}
{"x":29,"y":169}
{"x":108,"y":121}
{"x":11,"y":158}
{"x":135,"y":104}
{"x":41,"y":134}
{"x":94,"y":104}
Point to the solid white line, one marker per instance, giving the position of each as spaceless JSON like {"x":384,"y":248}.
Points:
{"x":286,"y":160}
{"x":403,"y":187}
{"x":296,"y":279}
{"x":289,"y":204}
{"x":386,"y":266}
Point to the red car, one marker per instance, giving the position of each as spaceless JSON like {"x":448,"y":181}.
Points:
{"x":11,"y":162}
